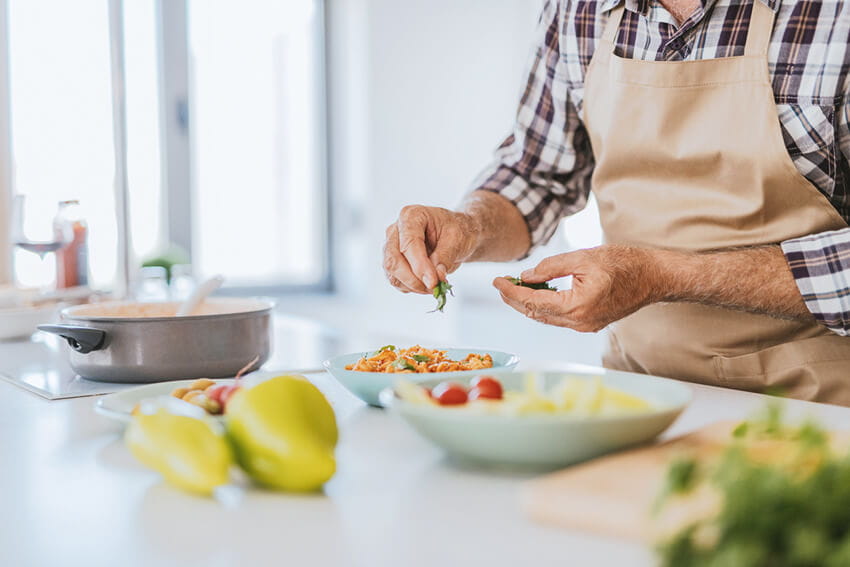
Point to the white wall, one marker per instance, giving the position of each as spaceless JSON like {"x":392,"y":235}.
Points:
{"x":422,"y":92}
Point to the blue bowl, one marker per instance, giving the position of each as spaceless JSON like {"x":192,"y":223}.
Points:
{"x":368,"y":385}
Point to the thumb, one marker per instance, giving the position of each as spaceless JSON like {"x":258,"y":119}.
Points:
{"x":552,"y":267}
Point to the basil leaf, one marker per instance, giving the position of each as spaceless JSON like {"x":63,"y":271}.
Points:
{"x":402,"y":364}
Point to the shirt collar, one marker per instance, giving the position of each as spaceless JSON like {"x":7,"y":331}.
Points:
{"x":641,"y":6}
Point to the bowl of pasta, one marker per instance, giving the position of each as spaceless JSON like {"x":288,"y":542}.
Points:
{"x":365,"y":374}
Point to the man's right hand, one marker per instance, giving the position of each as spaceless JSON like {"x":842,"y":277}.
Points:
{"x":425,"y":244}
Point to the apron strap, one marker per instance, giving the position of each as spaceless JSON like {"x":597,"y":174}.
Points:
{"x":613,"y":25}
{"x":760,"y":29}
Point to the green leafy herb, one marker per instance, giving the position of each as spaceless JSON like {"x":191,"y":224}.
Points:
{"x":792,"y":509}
{"x":682,"y":477}
{"x":383,"y":349}
{"x":541,"y":285}
{"x":439,"y":294}
{"x":421,"y":357}
{"x":402,"y":364}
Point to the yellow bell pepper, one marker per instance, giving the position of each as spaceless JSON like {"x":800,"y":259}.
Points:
{"x":191,"y":453}
{"x":283,"y":432}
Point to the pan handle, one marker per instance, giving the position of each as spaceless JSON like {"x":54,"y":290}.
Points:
{"x":81,"y":339}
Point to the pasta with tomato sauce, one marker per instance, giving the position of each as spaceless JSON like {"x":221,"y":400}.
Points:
{"x":417,"y":359}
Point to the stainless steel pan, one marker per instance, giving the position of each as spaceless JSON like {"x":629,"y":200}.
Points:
{"x":146,"y":342}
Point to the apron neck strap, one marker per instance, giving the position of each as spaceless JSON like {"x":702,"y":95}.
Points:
{"x":609,"y":35}
{"x":760,"y":29}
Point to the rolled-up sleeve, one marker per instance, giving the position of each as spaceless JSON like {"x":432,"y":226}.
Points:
{"x":544,"y":166}
{"x":820,"y":264}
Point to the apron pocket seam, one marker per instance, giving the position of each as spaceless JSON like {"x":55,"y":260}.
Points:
{"x":718,"y":360}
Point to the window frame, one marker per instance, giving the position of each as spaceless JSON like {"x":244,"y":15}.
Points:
{"x":177,"y":184}
{"x":176,"y":132}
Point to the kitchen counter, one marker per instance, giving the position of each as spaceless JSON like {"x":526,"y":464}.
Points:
{"x":71,"y":494}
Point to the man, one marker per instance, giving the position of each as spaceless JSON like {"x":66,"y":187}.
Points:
{"x":715,"y":139}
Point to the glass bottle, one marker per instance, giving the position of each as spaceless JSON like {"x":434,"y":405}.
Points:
{"x":72,"y":261}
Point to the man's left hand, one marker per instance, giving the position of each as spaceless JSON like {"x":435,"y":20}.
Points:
{"x":609,"y":283}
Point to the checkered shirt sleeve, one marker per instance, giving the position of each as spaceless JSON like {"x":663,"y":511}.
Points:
{"x":821,"y":267}
{"x":544,"y":166}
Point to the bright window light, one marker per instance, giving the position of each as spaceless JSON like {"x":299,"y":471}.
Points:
{"x":259,"y":206}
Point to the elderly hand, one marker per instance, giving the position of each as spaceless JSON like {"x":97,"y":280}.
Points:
{"x":609,"y":282}
{"x":425,"y":244}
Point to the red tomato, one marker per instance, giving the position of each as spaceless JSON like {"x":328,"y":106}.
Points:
{"x":449,"y":394}
{"x":485,"y":387}
{"x":222,"y":393}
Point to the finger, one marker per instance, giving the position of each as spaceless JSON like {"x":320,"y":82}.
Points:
{"x":448,"y":250}
{"x":544,"y":306}
{"x":396,"y":283}
{"x":397,"y":267}
{"x":412,"y":224}
{"x":553,"y":267}
{"x":443,"y":272}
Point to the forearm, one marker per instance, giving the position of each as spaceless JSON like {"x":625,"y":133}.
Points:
{"x":499,"y":229}
{"x":752,"y":279}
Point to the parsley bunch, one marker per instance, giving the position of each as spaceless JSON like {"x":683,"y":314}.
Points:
{"x":791,"y":509}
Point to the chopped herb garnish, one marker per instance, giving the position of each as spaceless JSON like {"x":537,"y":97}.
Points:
{"x":421,"y":357}
{"x":383,"y":349}
{"x":541,"y":285}
{"x":402,"y":364}
{"x":440,"y":293}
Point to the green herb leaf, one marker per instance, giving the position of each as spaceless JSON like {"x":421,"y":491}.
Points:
{"x":421,"y":357}
{"x":439,"y":292}
{"x":541,"y":285}
{"x":385,"y":348}
{"x":402,"y":364}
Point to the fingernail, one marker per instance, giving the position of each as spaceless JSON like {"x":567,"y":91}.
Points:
{"x":526,"y":274}
{"x":429,"y":281}
{"x":442,"y":271}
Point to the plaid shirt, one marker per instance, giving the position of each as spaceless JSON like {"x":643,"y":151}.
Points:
{"x":545,"y":165}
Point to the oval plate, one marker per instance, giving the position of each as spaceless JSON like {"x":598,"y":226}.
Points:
{"x":119,"y":405}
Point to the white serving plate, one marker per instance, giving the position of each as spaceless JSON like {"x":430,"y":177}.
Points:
{"x":119,"y":405}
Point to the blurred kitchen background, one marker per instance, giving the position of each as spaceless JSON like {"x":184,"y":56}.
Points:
{"x":272,"y":141}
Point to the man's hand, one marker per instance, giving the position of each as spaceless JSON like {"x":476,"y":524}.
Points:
{"x":609,"y":282}
{"x":426,"y":244}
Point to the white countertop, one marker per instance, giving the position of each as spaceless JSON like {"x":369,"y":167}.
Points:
{"x":71,"y":494}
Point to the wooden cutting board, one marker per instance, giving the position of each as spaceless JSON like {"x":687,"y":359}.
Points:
{"x":614,"y":495}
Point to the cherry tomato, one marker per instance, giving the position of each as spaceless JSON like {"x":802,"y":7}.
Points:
{"x":485,"y":387}
{"x":222,"y":393}
{"x":449,"y":394}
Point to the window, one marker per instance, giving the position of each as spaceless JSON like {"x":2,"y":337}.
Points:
{"x":252,"y":204}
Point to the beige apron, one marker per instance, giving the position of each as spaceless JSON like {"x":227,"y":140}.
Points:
{"x":690,"y":156}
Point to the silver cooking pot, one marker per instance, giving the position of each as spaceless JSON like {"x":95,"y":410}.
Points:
{"x":146,"y":342}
